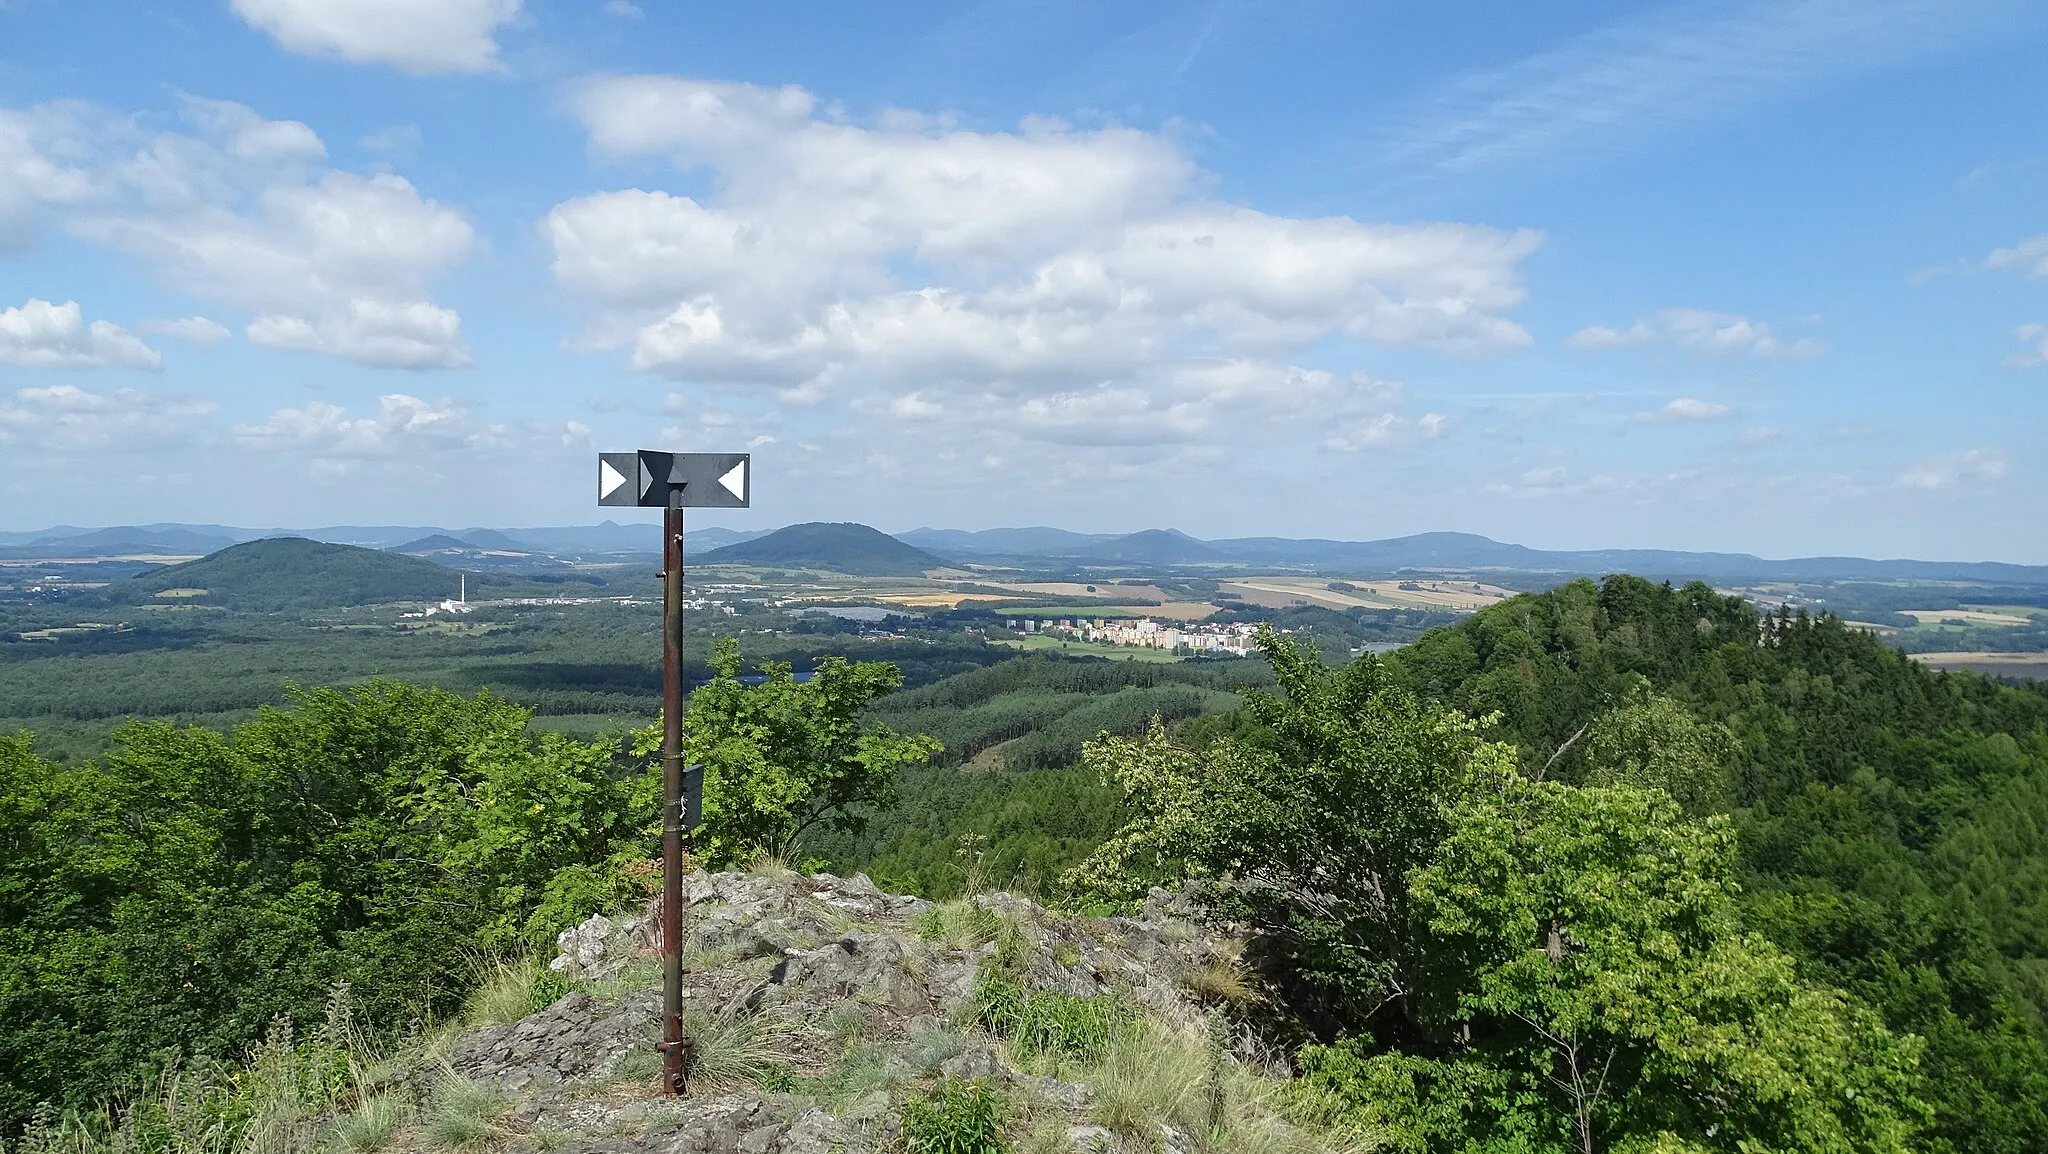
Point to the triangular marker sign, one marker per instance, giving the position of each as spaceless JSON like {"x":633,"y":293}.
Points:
{"x":608,"y":479}
{"x":735,"y":480}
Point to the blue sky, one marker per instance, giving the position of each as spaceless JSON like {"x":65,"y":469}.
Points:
{"x":1769,"y":277}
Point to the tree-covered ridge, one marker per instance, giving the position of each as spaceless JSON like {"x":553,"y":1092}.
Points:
{"x":1490,"y":961}
{"x":1892,"y":823}
{"x":1035,"y":712}
{"x":280,"y":573}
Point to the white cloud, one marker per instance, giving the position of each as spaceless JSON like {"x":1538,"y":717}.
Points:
{"x":1385,"y":430}
{"x":1669,"y":65}
{"x":1699,"y":331}
{"x":39,"y":163}
{"x":1762,"y":435}
{"x":42,"y":335}
{"x":2035,"y":338}
{"x":1686,"y":409}
{"x":624,"y":9}
{"x":198,"y":330}
{"x":2030,"y":254}
{"x":398,"y":140}
{"x":1064,"y":285}
{"x":405,"y":430}
{"x":242,"y":213}
{"x":408,"y":335}
{"x":1972,"y":468}
{"x":417,"y":36}
{"x":66,"y":419}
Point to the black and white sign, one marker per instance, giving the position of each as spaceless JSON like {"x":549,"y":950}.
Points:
{"x":674,"y":480}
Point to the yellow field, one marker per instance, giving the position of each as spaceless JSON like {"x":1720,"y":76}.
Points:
{"x":922,"y":600}
{"x":2034,"y":665}
{"x":1103,"y":590}
{"x":1973,"y":616}
{"x":1280,"y":592}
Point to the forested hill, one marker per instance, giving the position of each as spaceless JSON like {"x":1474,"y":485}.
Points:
{"x":842,"y":547}
{"x":1893,"y":822}
{"x":280,"y":573}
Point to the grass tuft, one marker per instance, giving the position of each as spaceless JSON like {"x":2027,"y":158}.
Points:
{"x":960,"y":924}
{"x":463,"y":1113}
{"x":1046,"y":1023}
{"x":368,"y":1127}
{"x":732,"y":1050}
{"x":504,"y":990}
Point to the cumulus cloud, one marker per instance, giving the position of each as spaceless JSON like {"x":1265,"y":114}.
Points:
{"x":241,"y":211}
{"x":1698,"y":331}
{"x":1971,"y":468}
{"x":1685,"y":409}
{"x":405,"y":429}
{"x":2035,"y":352}
{"x":417,"y":36}
{"x":198,"y":330}
{"x":39,"y":163}
{"x":66,"y":418}
{"x":2029,"y":255}
{"x":1762,"y":435}
{"x":1075,"y":283}
{"x":42,"y":335}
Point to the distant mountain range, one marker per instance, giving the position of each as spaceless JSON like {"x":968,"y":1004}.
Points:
{"x":1452,"y":551}
{"x":859,"y":549}
{"x":198,"y":540}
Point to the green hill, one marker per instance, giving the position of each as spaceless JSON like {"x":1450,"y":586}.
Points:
{"x":841,"y":547}
{"x":1893,"y":821}
{"x":288,"y":573}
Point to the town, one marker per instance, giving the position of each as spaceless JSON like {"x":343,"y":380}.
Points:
{"x":1145,"y":633}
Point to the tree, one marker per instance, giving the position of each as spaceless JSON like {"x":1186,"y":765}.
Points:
{"x":786,"y":756}
{"x":1504,"y":964}
{"x":1653,"y":742}
{"x":1586,"y":944}
{"x":1305,"y":829}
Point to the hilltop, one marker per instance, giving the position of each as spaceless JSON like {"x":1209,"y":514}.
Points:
{"x":282,"y":573}
{"x":842,"y":547}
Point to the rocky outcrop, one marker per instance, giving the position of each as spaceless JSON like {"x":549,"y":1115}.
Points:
{"x":820,"y":1002}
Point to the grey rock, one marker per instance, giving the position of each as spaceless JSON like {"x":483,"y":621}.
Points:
{"x":1070,"y":1095}
{"x":1091,"y":1138}
{"x":980,"y":1062}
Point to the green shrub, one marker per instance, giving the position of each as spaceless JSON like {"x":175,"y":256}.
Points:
{"x":1046,"y":1022}
{"x":957,"y":1116}
{"x":546,"y":989}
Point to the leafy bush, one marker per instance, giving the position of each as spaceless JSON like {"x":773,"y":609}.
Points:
{"x":1052,"y":1023}
{"x":786,"y":756}
{"x":957,"y":1116}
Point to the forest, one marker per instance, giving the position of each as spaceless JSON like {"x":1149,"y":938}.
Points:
{"x":1843,"y":844}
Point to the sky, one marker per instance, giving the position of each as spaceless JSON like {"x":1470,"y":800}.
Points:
{"x":1766,"y":277}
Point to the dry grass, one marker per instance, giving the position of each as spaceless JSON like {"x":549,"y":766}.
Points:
{"x":464,"y":1114}
{"x":369,"y":1127}
{"x":508,"y":989}
{"x":732,"y":1050}
{"x":1184,"y":1080}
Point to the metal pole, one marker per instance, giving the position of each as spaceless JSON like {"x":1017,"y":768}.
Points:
{"x":675,"y":1043}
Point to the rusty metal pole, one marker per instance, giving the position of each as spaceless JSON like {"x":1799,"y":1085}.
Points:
{"x":675,"y":1043}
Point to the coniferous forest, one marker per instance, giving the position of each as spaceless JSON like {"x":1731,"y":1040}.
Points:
{"x":1613,"y":866}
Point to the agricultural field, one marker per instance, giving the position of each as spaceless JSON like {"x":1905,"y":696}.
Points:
{"x":1410,"y":593}
{"x":2033,"y":666}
